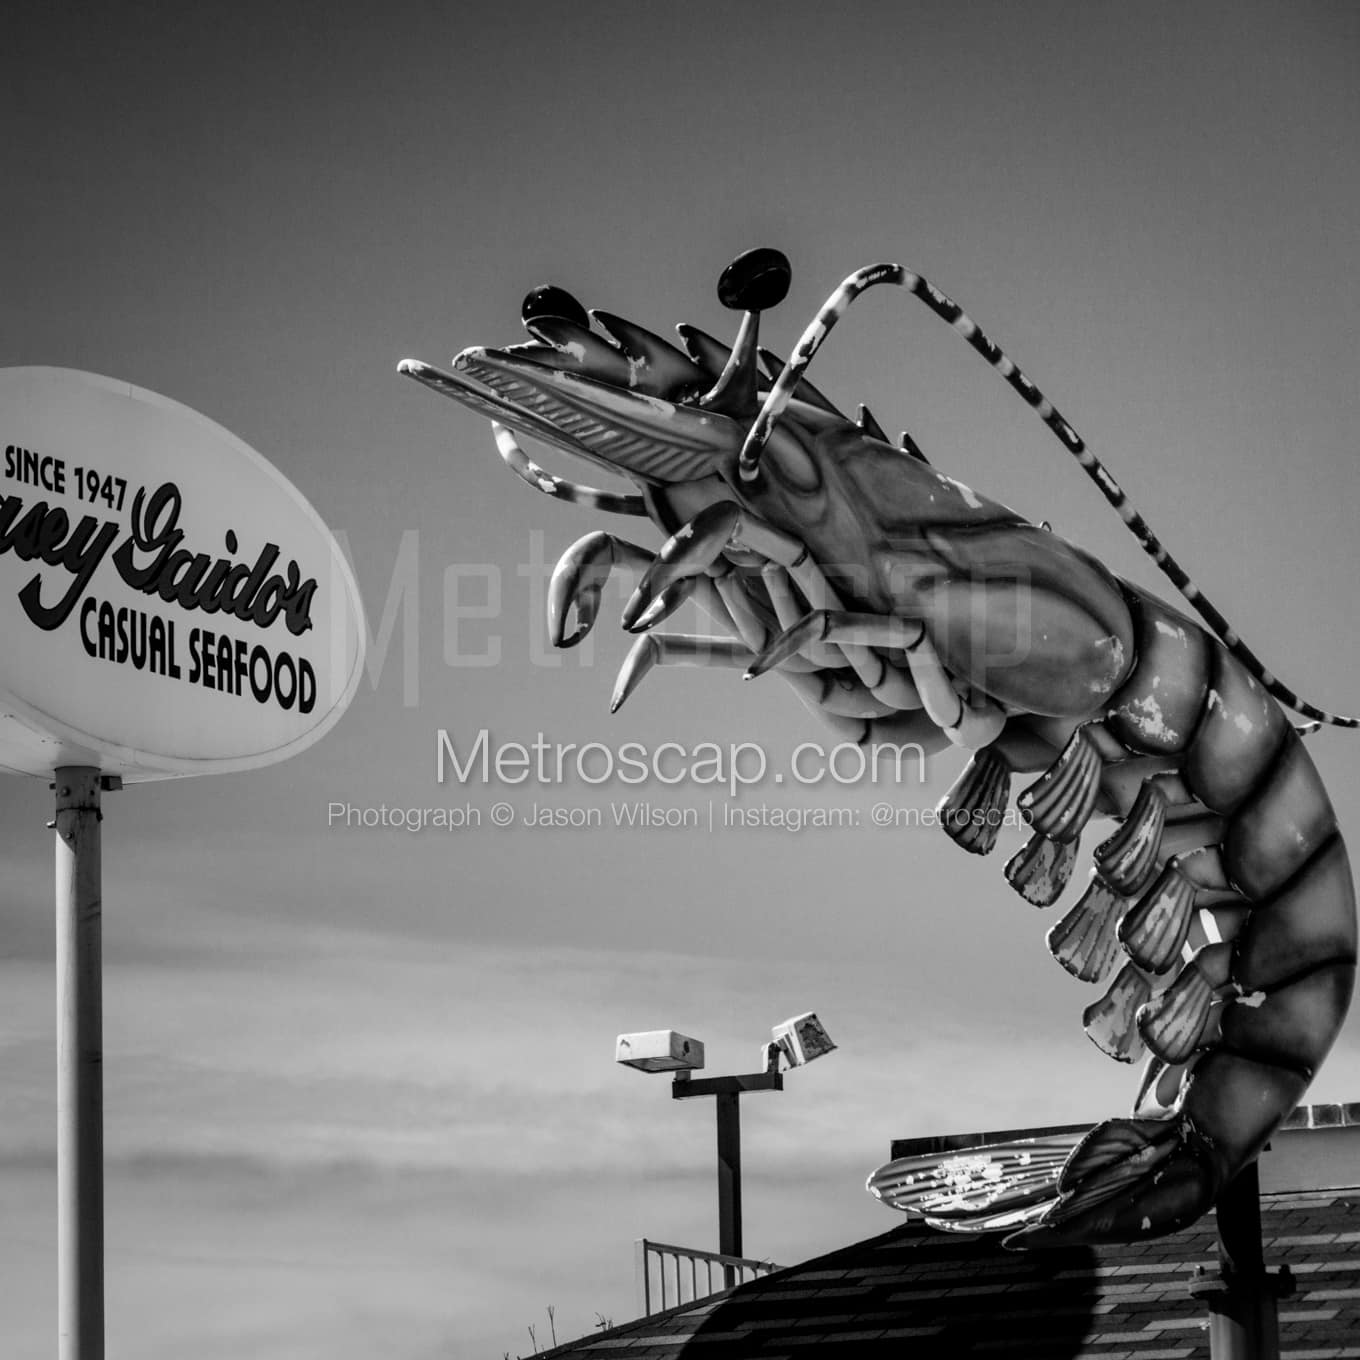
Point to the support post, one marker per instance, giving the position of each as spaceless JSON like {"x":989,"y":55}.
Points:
{"x":80,"y":1055}
{"x":642,"y":1282}
{"x":729,"y":1179}
{"x":1243,"y":1299}
{"x":726,"y":1093}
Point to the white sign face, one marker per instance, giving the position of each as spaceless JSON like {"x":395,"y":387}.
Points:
{"x":169,"y":603}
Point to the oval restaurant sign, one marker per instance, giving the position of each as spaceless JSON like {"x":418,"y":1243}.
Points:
{"x":169,"y":603}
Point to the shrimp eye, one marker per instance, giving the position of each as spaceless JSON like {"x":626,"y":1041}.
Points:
{"x":548,"y":301}
{"x":755,"y":281}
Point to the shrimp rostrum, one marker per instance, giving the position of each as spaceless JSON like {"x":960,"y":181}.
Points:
{"x":903,"y":606}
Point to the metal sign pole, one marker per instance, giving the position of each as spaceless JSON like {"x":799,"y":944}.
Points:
{"x":80,"y":1054}
{"x":1243,"y":1299}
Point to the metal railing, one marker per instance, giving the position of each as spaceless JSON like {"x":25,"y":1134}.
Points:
{"x":668,"y":1276}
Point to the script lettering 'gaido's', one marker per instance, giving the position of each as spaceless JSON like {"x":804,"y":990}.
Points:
{"x":150,"y":560}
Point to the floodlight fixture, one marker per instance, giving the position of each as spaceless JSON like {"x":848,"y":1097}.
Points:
{"x":659,"y":1050}
{"x":801,"y":1039}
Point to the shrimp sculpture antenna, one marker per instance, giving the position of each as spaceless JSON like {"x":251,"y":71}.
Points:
{"x":948,"y":310}
{"x":900,"y":605}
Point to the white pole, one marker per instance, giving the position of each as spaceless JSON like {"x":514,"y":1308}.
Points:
{"x":80,"y":1056}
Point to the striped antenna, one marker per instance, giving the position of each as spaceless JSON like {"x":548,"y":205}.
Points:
{"x":949,"y":310}
{"x":540,"y":479}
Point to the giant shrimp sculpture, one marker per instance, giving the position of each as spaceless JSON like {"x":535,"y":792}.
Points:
{"x":902,"y":605}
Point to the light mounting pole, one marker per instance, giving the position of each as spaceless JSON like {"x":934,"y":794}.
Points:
{"x":727,"y":1093}
{"x":798,"y":1041}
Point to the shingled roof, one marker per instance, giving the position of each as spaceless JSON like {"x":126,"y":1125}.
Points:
{"x":916,"y":1294}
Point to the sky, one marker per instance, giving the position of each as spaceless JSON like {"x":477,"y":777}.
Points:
{"x":360,"y":1096}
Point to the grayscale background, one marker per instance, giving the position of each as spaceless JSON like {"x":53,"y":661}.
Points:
{"x":359,"y":1083}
